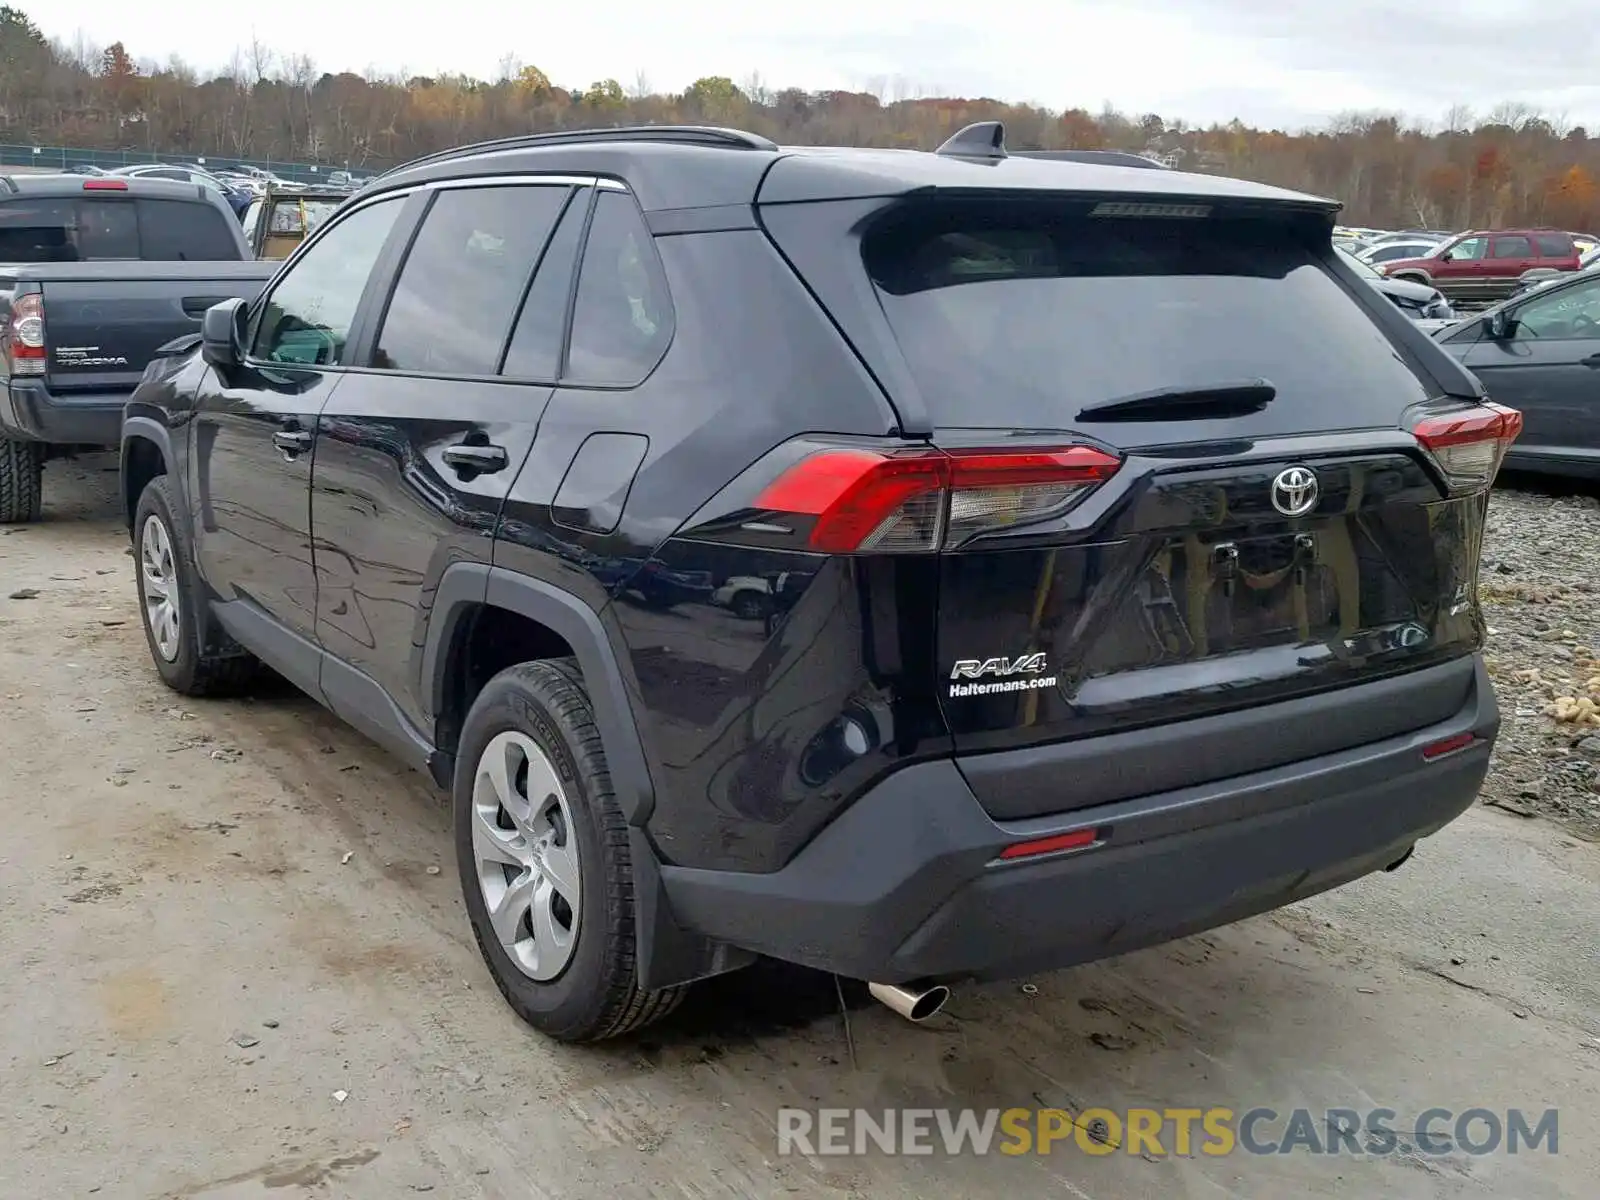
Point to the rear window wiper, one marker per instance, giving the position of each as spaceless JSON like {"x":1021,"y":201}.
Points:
{"x":1191,"y":403}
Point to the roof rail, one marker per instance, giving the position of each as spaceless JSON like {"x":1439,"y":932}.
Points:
{"x":689,"y":135}
{"x":982,"y":139}
{"x":1115,"y":158}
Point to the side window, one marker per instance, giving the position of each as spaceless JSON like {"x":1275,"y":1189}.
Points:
{"x":458,"y":292}
{"x":1469,"y":250}
{"x":1572,"y":313}
{"x":107,"y":229}
{"x":535,"y":350}
{"x":622,"y":321}
{"x":1553,"y":245}
{"x":1513,"y":247}
{"x":179,"y":230}
{"x":307,"y":317}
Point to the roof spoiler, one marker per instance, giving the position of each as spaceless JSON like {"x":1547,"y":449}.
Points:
{"x":986,"y":141}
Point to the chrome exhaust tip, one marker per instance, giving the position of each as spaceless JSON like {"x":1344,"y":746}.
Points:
{"x":914,"y":1003}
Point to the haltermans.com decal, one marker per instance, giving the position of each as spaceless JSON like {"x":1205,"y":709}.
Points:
{"x":997,"y":675}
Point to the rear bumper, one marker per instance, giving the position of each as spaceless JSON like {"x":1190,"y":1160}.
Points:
{"x":31,"y":412}
{"x":904,"y":885}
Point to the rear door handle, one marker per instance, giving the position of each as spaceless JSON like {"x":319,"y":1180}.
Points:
{"x":292,"y":442}
{"x":478,"y":459}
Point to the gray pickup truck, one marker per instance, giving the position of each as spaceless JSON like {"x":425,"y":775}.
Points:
{"x":96,"y":274}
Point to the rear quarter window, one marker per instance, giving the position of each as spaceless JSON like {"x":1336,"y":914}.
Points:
{"x":1553,"y":245}
{"x":1021,"y":315}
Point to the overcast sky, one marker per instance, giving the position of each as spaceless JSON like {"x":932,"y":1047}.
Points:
{"x":1287,"y":63}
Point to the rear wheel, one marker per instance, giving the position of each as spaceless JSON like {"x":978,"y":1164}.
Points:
{"x":544,"y":860}
{"x":21,"y":479}
{"x":191,"y":655}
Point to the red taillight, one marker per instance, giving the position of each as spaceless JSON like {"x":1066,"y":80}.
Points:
{"x":922,"y":499}
{"x":1078,"y":839}
{"x":24,"y":335}
{"x":105,"y":185}
{"x":1448,"y":745}
{"x":1470,"y":445}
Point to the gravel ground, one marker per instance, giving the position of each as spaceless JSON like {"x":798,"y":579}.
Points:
{"x":1540,"y":589}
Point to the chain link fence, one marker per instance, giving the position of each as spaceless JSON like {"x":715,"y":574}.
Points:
{"x":60,"y":158}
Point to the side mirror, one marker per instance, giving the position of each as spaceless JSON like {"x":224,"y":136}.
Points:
{"x":222,"y":333}
{"x":1499,"y":325}
{"x":1447,"y":256}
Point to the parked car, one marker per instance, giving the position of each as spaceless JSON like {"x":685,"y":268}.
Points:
{"x":237,"y":198}
{"x":1417,"y":300}
{"x":277,"y":222}
{"x":1487,"y":266}
{"x":81,"y":314}
{"x":1382,"y":252}
{"x":1432,"y":236}
{"x":1541,"y":353}
{"x":1127,"y":551}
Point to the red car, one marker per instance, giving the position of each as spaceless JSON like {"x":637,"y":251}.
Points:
{"x":1488,"y":265}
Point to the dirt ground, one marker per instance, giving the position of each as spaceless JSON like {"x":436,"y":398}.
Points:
{"x":203,"y":998}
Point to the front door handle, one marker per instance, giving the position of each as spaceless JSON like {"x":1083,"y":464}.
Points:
{"x":291,"y":443}
{"x":475,"y":458}
{"x":1592,"y":362}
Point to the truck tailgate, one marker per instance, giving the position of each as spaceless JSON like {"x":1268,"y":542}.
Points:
{"x":102,"y":327}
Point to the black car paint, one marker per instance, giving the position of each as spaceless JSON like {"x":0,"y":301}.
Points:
{"x":366,"y":559}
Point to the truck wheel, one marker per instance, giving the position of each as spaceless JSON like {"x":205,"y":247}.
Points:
{"x":21,"y":476}
{"x":543,"y":853}
{"x":191,"y":654}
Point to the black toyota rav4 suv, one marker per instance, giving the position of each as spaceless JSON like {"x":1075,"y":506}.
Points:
{"x":1106,"y":550}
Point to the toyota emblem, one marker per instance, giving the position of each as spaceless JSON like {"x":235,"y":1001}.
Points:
{"x":1294,"y":491}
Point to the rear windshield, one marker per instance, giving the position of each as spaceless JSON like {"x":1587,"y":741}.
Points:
{"x":1022,"y":315}
{"x":96,"y":229}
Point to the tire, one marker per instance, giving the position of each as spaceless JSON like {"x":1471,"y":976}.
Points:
{"x":192,"y":655}
{"x":580,"y":982}
{"x":21,"y":480}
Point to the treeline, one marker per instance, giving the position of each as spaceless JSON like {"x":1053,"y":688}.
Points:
{"x":1508,"y":166}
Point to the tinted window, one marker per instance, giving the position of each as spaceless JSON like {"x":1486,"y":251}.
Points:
{"x":535,"y":350}
{"x":622,"y":320}
{"x":307,"y":318}
{"x":1023,"y":315}
{"x":107,"y":229}
{"x":1553,"y":245}
{"x":1513,"y":247}
{"x":1573,"y":312}
{"x":39,"y":231}
{"x":463,"y":279}
{"x":173,"y":230}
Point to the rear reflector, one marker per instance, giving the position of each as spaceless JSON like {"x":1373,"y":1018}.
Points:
{"x":105,"y":185}
{"x":924,"y":499}
{"x":1470,"y":445}
{"x":1448,"y":745}
{"x":24,"y":335}
{"x":1076,"y":840}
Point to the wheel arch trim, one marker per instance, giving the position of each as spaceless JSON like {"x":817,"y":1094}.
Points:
{"x":464,"y":587}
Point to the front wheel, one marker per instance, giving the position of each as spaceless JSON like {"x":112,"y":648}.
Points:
{"x":191,"y":656}
{"x":21,"y":481}
{"x":543,"y":853}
